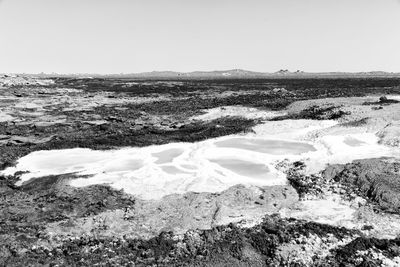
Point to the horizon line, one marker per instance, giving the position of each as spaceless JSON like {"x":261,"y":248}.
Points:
{"x":281,"y":71}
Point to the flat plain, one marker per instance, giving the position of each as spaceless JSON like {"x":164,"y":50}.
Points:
{"x":199,"y":172}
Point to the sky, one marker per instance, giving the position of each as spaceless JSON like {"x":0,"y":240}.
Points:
{"x":128,"y":36}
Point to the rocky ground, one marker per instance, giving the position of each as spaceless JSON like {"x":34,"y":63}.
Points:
{"x":47,"y":222}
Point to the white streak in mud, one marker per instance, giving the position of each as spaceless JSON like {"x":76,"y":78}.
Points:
{"x":236,"y":111}
{"x":5,"y":117}
{"x":208,"y":166}
{"x":394,"y":97}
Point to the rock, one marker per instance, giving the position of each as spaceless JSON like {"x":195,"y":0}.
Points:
{"x":390,"y":135}
{"x":365,"y":252}
{"x":180,"y":213}
{"x":315,"y":113}
{"x":375,"y":179}
{"x":21,"y":140}
{"x":280,"y":91}
{"x":114,"y":119}
{"x":96,"y":122}
{"x":383,"y":99}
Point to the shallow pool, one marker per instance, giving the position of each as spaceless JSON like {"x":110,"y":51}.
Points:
{"x":244,"y":168}
{"x":208,"y":166}
{"x":273,"y":147}
{"x":354,"y":142}
{"x":166,"y":156}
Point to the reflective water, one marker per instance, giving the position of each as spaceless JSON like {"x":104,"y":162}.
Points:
{"x":167,"y":156}
{"x":274,"y":147}
{"x":172,"y":170}
{"x":351,"y":141}
{"x":244,"y":168}
{"x":207,"y":166}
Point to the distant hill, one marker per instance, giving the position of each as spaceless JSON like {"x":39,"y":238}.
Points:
{"x":240,"y":73}
{"x":229,"y":74}
{"x":196,"y":74}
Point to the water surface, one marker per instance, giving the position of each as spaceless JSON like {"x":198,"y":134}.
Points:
{"x":273,"y":147}
{"x":244,"y":168}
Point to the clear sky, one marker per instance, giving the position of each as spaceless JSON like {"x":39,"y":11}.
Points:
{"x":113,"y":36}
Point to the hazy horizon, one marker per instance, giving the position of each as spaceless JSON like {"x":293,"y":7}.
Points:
{"x":194,"y":71}
{"x":134,"y":36}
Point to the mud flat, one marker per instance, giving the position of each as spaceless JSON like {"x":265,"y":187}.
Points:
{"x":217,"y":172}
{"x":207,"y":166}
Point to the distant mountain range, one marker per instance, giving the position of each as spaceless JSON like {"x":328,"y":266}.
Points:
{"x":218,"y":73}
{"x":234,"y":73}
{"x":239,"y":73}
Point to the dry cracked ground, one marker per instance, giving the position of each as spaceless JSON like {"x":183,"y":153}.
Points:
{"x":336,"y":204}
